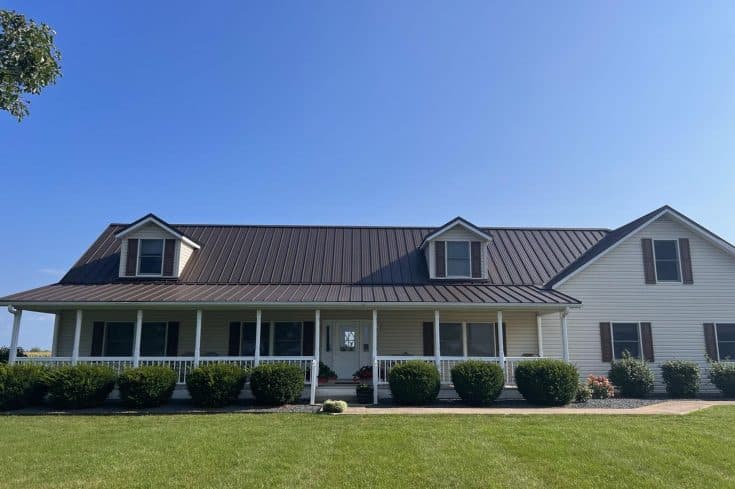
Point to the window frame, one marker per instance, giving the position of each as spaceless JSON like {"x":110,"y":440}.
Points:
{"x":140,"y":257}
{"x":494,"y":336}
{"x":462,"y":338}
{"x":717,"y":340}
{"x":105,"y":338}
{"x":678,"y":261}
{"x":165,"y":337}
{"x":446,"y":259}
{"x":638,"y":332}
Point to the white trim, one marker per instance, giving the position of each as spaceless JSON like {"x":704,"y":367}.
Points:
{"x":374,"y":354}
{"x":137,"y":338}
{"x":717,"y":343}
{"x":678,"y":261}
{"x":706,"y":234}
{"x":157,"y":222}
{"x":501,"y":336}
{"x":539,"y":335}
{"x":437,"y":339}
{"x":77,"y":336}
{"x":198,"y":338}
{"x":455,"y":222}
{"x":258,"y":326}
{"x":565,"y":335}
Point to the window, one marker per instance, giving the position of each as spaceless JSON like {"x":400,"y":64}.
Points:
{"x":666,"y":255}
{"x":481,"y":340}
{"x":450,"y":340}
{"x":153,"y":339}
{"x":151,"y":257}
{"x":458,"y":259}
{"x":287,"y":339}
{"x":726,"y":341}
{"x":626,"y":337}
{"x":119,"y":339}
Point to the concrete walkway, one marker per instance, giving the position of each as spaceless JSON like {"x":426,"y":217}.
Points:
{"x":673,"y":407}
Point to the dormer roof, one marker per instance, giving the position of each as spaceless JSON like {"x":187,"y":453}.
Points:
{"x":157,"y":221}
{"x":457,"y":221}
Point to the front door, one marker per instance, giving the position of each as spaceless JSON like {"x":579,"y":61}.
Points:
{"x":347,"y":351}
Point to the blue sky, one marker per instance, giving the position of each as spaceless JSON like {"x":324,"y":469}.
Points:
{"x":507,"y":113}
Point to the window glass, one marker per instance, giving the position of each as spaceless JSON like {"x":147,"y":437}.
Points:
{"x":458,"y":259}
{"x":481,"y":340}
{"x":287,"y":339}
{"x":625,"y":338}
{"x":667,"y":260}
{"x":450,"y":340}
{"x":151,"y":256}
{"x":247,"y":346}
{"x":153,"y":340}
{"x":726,"y":341}
{"x":119,"y":339}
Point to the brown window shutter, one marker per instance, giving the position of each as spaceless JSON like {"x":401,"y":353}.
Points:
{"x":233,"y":348}
{"x":649,"y":268}
{"x":647,"y":341}
{"x":307,"y":339}
{"x":169,"y":250}
{"x":476,"y":259}
{"x":172,"y":339}
{"x":428,"y":339}
{"x":710,"y":344}
{"x":131,"y":263}
{"x":505,"y":339}
{"x":98,"y":335}
{"x":685,"y":258}
{"x":606,"y":342}
{"x":440,"y":265}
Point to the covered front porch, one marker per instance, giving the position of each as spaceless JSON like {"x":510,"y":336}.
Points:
{"x":345,"y":339}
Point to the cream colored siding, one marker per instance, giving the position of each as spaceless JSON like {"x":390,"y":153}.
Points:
{"x":613,"y":289}
{"x":184,"y":253}
{"x":149,"y":231}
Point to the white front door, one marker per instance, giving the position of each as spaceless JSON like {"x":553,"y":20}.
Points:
{"x":347,"y":349}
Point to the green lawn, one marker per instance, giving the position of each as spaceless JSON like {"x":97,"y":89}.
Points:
{"x":303,"y":450}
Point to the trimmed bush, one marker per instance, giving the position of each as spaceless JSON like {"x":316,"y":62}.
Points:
{"x":632,"y":376}
{"x":147,"y":386}
{"x":331,"y":406}
{"x":681,"y":378}
{"x":547,"y":382}
{"x":584,"y":393}
{"x":478,"y":383}
{"x":275,"y":384}
{"x":5,"y":353}
{"x":722,"y":375}
{"x":216,"y":384}
{"x":22,"y":385}
{"x":414,"y":383}
{"x":600,"y":387}
{"x":364,"y":393}
{"x":79,"y":386}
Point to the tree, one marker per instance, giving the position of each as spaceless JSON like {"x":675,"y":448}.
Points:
{"x":29,"y":61}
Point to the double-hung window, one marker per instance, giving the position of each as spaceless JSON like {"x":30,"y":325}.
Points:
{"x":287,"y":338}
{"x":119,"y":339}
{"x":458,"y":259}
{"x":626,"y":337}
{"x":450,"y":339}
{"x":726,"y":342}
{"x":481,"y":340}
{"x":666,"y":256}
{"x":151,"y":257}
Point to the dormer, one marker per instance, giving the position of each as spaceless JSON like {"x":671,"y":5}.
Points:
{"x":457,"y":251}
{"x":152,"y":248}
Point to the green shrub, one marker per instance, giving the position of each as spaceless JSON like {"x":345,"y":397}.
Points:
{"x":216,"y":384}
{"x":547,"y":382}
{"x":414,"y":383}
{"x":79,"y":386}
{"x":478,"y":383}
{"x":147,"y":386}
{"x":681,"y":378}
{"x":5,"y":353}
{"x":632,"y":376}
{"x":22,"y":385}
{"x":330,"y":406}
{"x":275,"y":384}
{"x":722,"y":375}
{"x":364,"y":393}
{"x":600,"y":387}
{"x":584,"y":393}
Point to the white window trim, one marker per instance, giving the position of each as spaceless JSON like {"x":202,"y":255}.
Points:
{"x":446,"y":259}
{"x":678,"y":262}
{"x":140,"y":255}
{"x":612,"y":337}
{"x":717,"y":341}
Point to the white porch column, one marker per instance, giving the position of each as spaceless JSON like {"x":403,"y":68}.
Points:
{"x":17,"y":313}
{"x":136,"y":338}
{"x":77,"y":336}
{"x":198,"y":338}
{"x":539,"y":336}
{"x":376,"y":368}
{"x":501,"y":335}
{"x":258,"y":319}
{"x":565,"y":335}
{"x":55,"y":339}
{"x":315,"y":359}
{"x":437,"y":343}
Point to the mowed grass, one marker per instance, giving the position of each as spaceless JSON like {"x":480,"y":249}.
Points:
{"x":304,"y":450}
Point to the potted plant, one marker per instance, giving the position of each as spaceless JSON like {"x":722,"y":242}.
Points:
{"x":364,"y":393}
{"x":364,"y":373}
{"x":326,"y":374}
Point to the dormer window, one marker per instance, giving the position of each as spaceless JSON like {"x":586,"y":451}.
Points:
{"x":458,"y":259}
{"x":151,"y":257}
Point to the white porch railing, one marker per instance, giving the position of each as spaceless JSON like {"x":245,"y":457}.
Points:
{"x":48,"y":361}
{"x":304,"y":363}
{"x":181,"y":365}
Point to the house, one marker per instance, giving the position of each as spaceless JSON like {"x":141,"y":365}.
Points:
{"x":660,"y":287}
